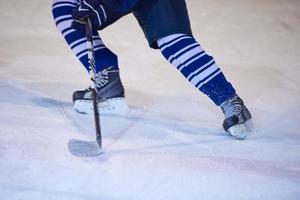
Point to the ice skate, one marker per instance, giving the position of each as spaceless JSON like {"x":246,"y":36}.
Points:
{"x":237,"y":118}
{"x":110,"y":93}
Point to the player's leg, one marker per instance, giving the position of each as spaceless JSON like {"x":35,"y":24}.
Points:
{"x":199,"y":68}
{"x":109,"y":85}
{"x":167,"y":27}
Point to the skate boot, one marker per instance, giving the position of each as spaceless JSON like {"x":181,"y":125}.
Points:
{"x":110,"y":92}
{"x":237,"y":118}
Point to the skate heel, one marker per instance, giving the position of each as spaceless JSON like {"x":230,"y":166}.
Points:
{"x":113,"y":106}
{"x":241,"y":131}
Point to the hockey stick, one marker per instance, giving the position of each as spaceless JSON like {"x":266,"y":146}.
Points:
{"x":89,"y":148}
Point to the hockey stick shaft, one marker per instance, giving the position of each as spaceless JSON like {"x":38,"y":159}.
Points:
{"x":92,"y":70}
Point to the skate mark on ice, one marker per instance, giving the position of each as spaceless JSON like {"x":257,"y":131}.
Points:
{"x":193,"y":162}
{"x":158,"y":120}
{"x":19,"y":191}
{"x":47,"y":102}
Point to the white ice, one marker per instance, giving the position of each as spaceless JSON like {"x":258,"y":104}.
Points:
{"x":171,"y":145}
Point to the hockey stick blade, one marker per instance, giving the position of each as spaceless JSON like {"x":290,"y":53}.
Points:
{"x":82,"y":148}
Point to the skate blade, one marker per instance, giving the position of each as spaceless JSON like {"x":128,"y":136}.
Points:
{"x":241,"y":131}
{"x":114,"y":106}
{"x":82,"y":148}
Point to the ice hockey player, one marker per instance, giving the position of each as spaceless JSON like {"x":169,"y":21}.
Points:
{"x":166,"y":26}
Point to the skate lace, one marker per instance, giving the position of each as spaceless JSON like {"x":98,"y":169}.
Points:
{"x":232,"y":107}
{"x":101,"y":78}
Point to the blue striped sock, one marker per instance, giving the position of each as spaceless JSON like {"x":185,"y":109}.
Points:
{"x":76,"y":40}
{"x":197,"y":66}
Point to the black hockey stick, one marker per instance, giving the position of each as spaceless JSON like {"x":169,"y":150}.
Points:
{"x":86,"y":148}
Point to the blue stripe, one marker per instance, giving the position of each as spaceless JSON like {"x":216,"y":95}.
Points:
{"x":74,"y":36}
{"x":99,"y":45}
{"x":61,"y":11}
{"x":67,"y":29}
{"x":218,"y":89}
{"x":85,"y":50}
{"x":184,"y":63}
{"x":64,"y":19}
{"x":196,"y":65}
{"x":185,"y":51}
{"x":177,"y":47}
{"x":81,"y":52}
{"x":167,"y":43}
{"x":205,"y":68}
{"x":77,"y":44}
{"x":201,"y":81}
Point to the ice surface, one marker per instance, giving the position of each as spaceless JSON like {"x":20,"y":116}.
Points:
{"x":171,"y":145}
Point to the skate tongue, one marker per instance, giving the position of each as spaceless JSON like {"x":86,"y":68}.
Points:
{"x":84,"y":148}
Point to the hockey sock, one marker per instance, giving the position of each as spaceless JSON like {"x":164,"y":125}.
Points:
{"x":197,"y":66}
{"x":76,"y":40}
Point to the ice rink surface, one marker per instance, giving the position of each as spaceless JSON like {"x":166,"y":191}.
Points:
{"x":171,"y":145}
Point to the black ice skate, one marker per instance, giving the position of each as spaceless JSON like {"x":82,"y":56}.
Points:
{"x":110,"y":93}
{"x":237,"y":118}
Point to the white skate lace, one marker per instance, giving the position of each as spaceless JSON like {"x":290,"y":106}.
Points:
{"x":232,"y":107}
{"x":102,"y":78}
